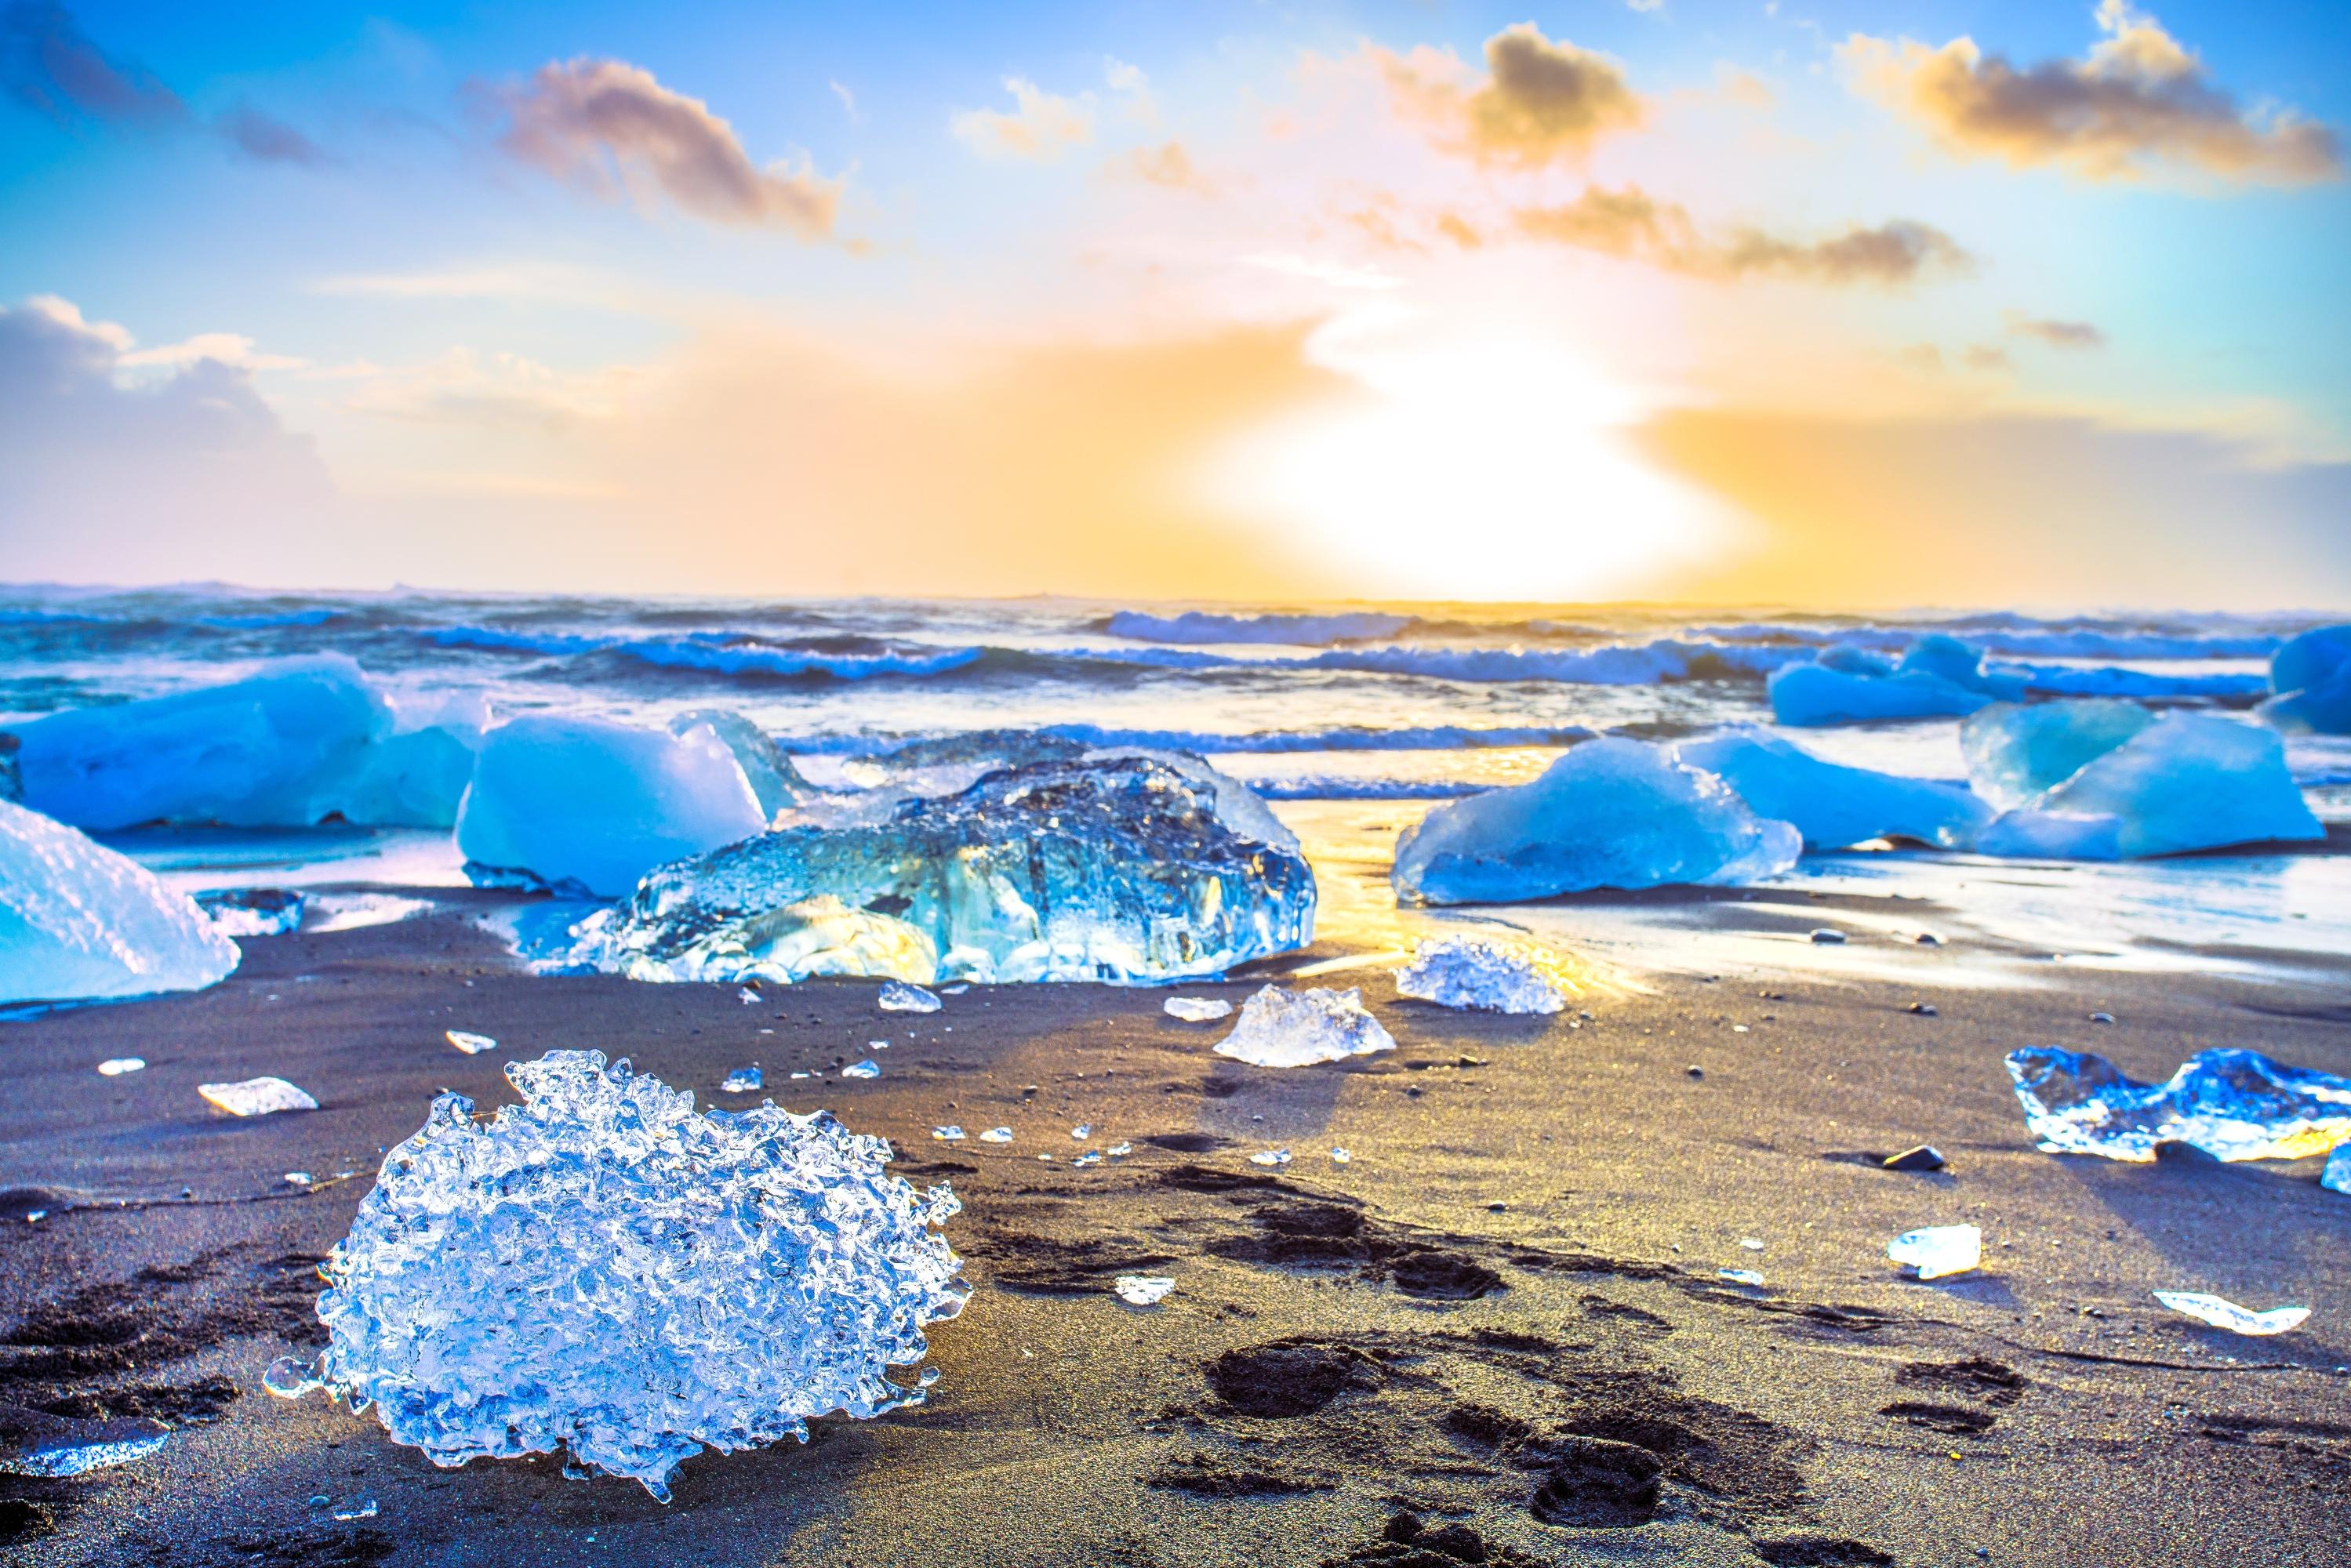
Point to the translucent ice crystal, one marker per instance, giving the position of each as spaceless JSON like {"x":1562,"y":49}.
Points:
{"x":603,"y":1270}
{"x":775,"y":782}
{"x":2223,"y":1313}
{"x":1298,"y":1028}
{"x":742,"y":1080}
{"x":256,"y":1097}
{"x":898,"y":997}
{"x":996,"y":1135}
{"x":1197,"y":1009}
{"x":472,"y":1044}
{"x":1833,"y":805}
{"x":2014,"y":751}
{"x":2311,"y":676}
{"x":869,"y":1068}
{"x":1938,"y":1249}
{"x":2188,"y":781}
{"x":1143,"y":1290}
{"x":116,"y":1066}
{"x":36,"y":1444}
{"x":2231,"y":1104}
{"x":253,"y":911}
{"x":2337,"y":1177}
{"x":1482,"y":973}
{"x":78,"y":920}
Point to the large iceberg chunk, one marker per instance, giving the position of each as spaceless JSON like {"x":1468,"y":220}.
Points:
{"x":2311,"y":676}
{"x":2188,"y":781}
{"x":1486,"y":975}
{"x":558,"y":799}
{"x":2015,"y":751}
{"x":415,"y":775}
{"x":77,"y":920}
{"x":1831,"y":804}
{"x":1129,"y":869}
{"x":773,"y":779}
{"x":1301,"y":1029}
{"x":602,"y":1271}
{"x":1609,"y":813}
{"x":1939,"y":676}
{"x":2232,"y":1104}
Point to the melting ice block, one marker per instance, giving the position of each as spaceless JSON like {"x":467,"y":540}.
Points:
{"x":1939,"y":1251}
{"x":2188,"y":781}
{"x":1489,"y":975}
{"x":1143,"y":1290}
{"x":1129,"y":868}
{"x":2016,"y":751}
{"x":77,"y":920}
{"x":1609,"y":813}
{"x":604,"y":1271}
{"x":1939,"y":676}
{"x":558,"y":799}
{"x":1197,"y":1009}
{"x":2232,"y":1104}
{"x":2311,"y":676}
{"x":898,"y":997}
{"x":253,"y":911}
{"x":775,"y":782}
{"x":1298,"y":1028}
{"x":472,"y":1044}
{"x":1831,"y":804}
{"x":257,"y":1096}
{"x":414,"y":776}
{"x":2222,"y":1313}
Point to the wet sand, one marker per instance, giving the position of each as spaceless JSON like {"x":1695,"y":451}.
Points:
{"x":1496,"y":1335}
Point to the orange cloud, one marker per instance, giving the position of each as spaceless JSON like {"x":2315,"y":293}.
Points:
{"x":1542,"y":102}
{"x":1632,"y":226}
{"x":2056,"y":334}
{"x":1168,"y":166}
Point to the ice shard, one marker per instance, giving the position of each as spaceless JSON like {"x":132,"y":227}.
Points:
{"x":1831,"y":804}
{"x":1939,"y":1251}
{"x":2336,"y":1176}
{"x":257,"y":1096}
{"x":1609,"y":813}
{"x":1298,"y":1028}
{"x":1197,"y":1009}
{"x":2223,"y":1313}
{"x":78,"y":921}
{"x":1128,"y":868}
{"x":775,"y":782}
{"x":2231,"y":1104}
{"x":2014,"y":751}
{"x":1484,"y":973}
{"x":898,"y":997}
{"x":602,"y":1271}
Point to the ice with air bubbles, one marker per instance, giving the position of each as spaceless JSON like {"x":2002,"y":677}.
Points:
{"x":2232,"y":1104}
{"x":1486,"y":975}
{"x":1300,"y":1029}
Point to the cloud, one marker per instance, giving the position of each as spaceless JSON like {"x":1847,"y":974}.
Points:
{"x":610,"y":128}
{"x":2056,"y":334}
{"x":1168,"y":166}
{"x":2139,"y":102}
{"x":268,"y":140}
{"x":1985,"y":357}
{"x":1040,"y":124}
{"x":50,"y":66}
{"x":847,"y":103}
{"x":471,"y":389}
{"x":1633,"y":226}
{"x":232,"y":348}
{"x":1542,"y":101}
{"x":1315,"y":269}
{"x":1124,"y":77}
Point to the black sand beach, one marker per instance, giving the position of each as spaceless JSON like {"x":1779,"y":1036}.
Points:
{"x":1496,"y":1335}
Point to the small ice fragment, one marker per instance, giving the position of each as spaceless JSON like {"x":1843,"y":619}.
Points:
{"x":742,"y":1080}
{"x":996,"y":1135}
{"x":1924,"y":1158}
{"x":252,"y":911}
{"x":2232,"y":1104}
{"x":34,"y":1216}
{"x":950,"y":1134}
{"x":290,"y":1379}
{"x":1739,"y":1276}
{"x":800,"y":1076}
{"x":898,"y":997}
{"x":1828,"y":936}
{"x":1047,"y":1159}
{"x":1270,"y":1157}
{"x":1298,"y":1028}
{"x":361,"y":1507}
{"x":747,"y":996}
{"x":297,"y":1179}
{"x":2102,"y":1017}
{"x":1197,"y":1009}
{"x":1480,"y":973}
{"x":2337,"y":1177}
{"x":1143,"y":1290}
{"x":471,"y":1044}
{"x":1339,"y":1157}
{"x":1091,"y":1157}
{"x":867,"y":1069}
{"x":1938,"y":1249}
{"x":256,"y":1097}
{"x":1120,"y":1151}
{"x":116,"y":1066}
{"x":1750,"y":1243}
{"x":1082,"y":1131}
{"x":52,"y":1446}
{"x":2226,"y":1314}
{"x":953,"y":990}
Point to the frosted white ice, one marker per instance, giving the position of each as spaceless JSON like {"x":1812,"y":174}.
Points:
{"x":1485,"y":974}
{"x":1938,"y":1249}
{"x":1143,"y":1290}
{"x":1197,"y":1009}
{"x":468,"y":1041}
{"x":742,"y":1080}
{"x":2222,"y":1313}
{"x":77,"y":920}
{"x":898,"y":997}
{"x":116,"y":1066}
{"x":256,"y":1097}
{"x":1298,"y":1028}
{"x":866,"y":1068}
{"x":253,"y":911}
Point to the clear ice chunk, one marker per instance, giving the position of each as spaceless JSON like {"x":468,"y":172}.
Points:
{"x":1739,"y":1276}
{"x":358,"y":1507}
{"x":252,"y":911}
{"x":2311,"y":677}
{"x":472,"y":1044}
{"x":1197,"y":1009}
{"x":950,"y":1134}
{"x":1270,"y":1157}
{"x":1939,"y":676}
{"x":1486,"y":974}
{"x":996,"y":1135}
{"x":33,"y":1443}
{"x":568,"y":802}
{"x":2231,"y":1104}
{"x":1081,"y":1131}
{"x":2223,"y":1313}
{"x":1143,"y":1290}
{"x":2188,"y":781}
{"x":602,"y":1270}
{"x":866,"y":1068}
{"x":775,"y":782}
{"x":1131,"y":869}
{"x":742,"y":1080}
{"x":2336,"y":1176}
{"x":2014,"y":751}
{"x":1609,"y":813}
{"x":1939,"y":1251}
{"x":1298,"y":1028}
{"x":1833,"y":805}
{"x":256,"y":1097}
{"x":116,"y":1066}
{"x":898,"y":997}
{"x":78,"y":921}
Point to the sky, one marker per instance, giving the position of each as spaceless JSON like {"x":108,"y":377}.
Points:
{"x":1842,"y":303}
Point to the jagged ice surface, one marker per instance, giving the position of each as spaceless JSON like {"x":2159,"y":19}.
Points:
{"x":77,"y":920}
{"x":2188,"y":781}
{"x":1477,"y":972}
{"x":2015,"y":751}
{"x":1831,"y":804}
{"x":604,"y":1271}
{"x":1300,"y":1029}
{"x":2232,"y":1104}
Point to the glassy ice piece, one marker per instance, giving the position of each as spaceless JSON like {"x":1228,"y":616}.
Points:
{"x":1128,"y":870}
{"x":34,"y":1444}
{"x":1081,"y":1131}
{"x":290,"y":1378}
{"x":1750,"y":1243}
{"x":1143,"y":1290}
{"x":256,"y":1097}
{"x":1609,"y":814}
{"x":1339,"y":1157}
{"x":2190,"y":781}
{"x":815,"y":937}
{"x":2311,"y":675}
{"x":361,"y":1507}
{"x":297,"y":1179}
{"x":561,"y":800}
{"x":657,"y":1279}
{"x":1831,"y":804}
{"x":2232,"y":1104}
{"x":1197,"y":1009}
{"x":1816,"y":693}
{"x":2336,"y":1176}
{"x":77,"y":920}
{"x":950,"y":1134}
{"x":2014,"y":751}
{"x":1270,"y":1157}
{"x":252,"y":911}
{"x":1091,"y":1157}
{"x":1487,"y":975}
{"x":116,"y":1066}
{"x":415,"y":776}
{"x":1298,"y":1028}
{"x":2028,"y":834}
{"x":470,"y":1043}
{"x":742,"y":1080}
{"x":775,"y":783}
{"x":1739,"y":1276}
{"x":1120,"y":1151}
{"x":2222,"y":1313}
{"x":898,"y":997}
{"x":996,"y":1135}
{"x":866,"y":1068}
{"x":1938,"y":1249}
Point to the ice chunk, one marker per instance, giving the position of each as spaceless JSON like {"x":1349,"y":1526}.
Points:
{"x":116,"y":1066}
{"x":1197,"y":1009}
{"x":415,"y":775}
{"x":2311,"y":676}
{"x":2027,"y":834}
{"x":742,"y":1080}
{"x":1270,"y":1157}
{"x":2223,"y":1313}
{"x":1082,"y":1131}
{"x":947,"y":1134}
{"x":77,"y":920}
{"x":1831,"y":804}
{"x":1143,"y":1290}
{"x":2231,"y":1104}
{"x":1127,"y":871}
{"x":663,"y":1281}
{"x":2015,"y":751}
{"x":2336,"y":1176}
{"x":866,"y":1068}
{"x":897,"y":996}
{"x":33,"y":1443}
{"x":1938,"y":1249}
{"x":1747,"y":1277}
{"x":256,"y":1097}
{"x":2188,"y":781}
{"x":253,"y":911}
{"x":470,"y":1043}
{"x":1609,"y":813}
{"x":996,"y":1135}
{"x":563,"y":799}
{"x":775,"y":782}
{"x":1298,"y":1028}
{"x":1485,"y":974}
{"x":1938,"y":677}
{"x":815,"y":937}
